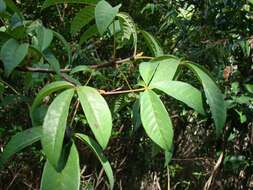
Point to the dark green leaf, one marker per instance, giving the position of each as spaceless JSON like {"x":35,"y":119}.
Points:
{"x":20,"y":141}
{"x":2,"y":6}
{"x":97,"y":113}
{"x":45,"y":37}
{"x":54,"y":126}
{"x":99,"y":153}
{"x":90,"y":32}
{"x":51,"y":59}
{"x":49,"y":3}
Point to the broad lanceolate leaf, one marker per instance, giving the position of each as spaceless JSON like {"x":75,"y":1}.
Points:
{"x":12,"y":54}
{"x":156,"y":120}
{"x":65,"y":43}
{"x":82,"y":18}
{"x":97,"y":113}
{"x":152,"y":44}
{"x":47,"y":90}
{"x":104,"y":15}
{"x":183,"y":92}
{"x":99,"y":153}
{"x":215,"y":98}
{"x":45,"y":37}
{"x":81,"y":68}
{"x":166,"y":69}
{"x":90,"y":32}
{"x":67,"y":179}
{"x":54,"y":126}
{"x":128,"y":28}
{"x":159,"y":69}
{"x":49,"y":3}
{"x":20,"y":141}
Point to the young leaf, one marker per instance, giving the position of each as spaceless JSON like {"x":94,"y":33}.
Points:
{"x":20,"y":141}
{"x":67,"y":179}
{"x":166,"y":69}
{"x":82,"y":18}
{"x":90,"y":32}
{"x":12,"y":54}
{"x":152,"y":44}
{"x":45,"y":37}
{"x":104,"y":15}
{"x":49,"y":3}
{"x":97,"y":113}
{"x":128,"y":28}
{"x":99,"y":153}
{"x":54,"y":126}
{"x":183,"y":92}
{"x":215,"y":98}
{"x":156,"y":120}
{"x":47,"y":90}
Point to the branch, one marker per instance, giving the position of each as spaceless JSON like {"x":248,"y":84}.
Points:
{"x":102,"y":92}
{"x":104,"y":65}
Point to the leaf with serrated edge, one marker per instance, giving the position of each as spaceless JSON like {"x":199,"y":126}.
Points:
{"x":183,"y":92}
{"x":54,"y":126}
{"x":97,"y":113}
{"x":67,"y":179}
{"x":156,"y":120}
{"x":99,"y":153}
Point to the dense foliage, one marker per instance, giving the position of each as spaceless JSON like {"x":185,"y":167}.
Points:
{"x":126,"y":94}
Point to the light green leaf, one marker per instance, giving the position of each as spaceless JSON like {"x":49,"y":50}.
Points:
{"x":82,"y":18}
{"x":90,"y":32}
{"x":183,"y":92}
{"x":47,"y":90}
{"x":54,"y":126}
{"x":65,"y":43}
{"x":152,"y":44}
{"x":128,"y":28}
{"x":104,"y":15}
{"x":51,"y":59}
{"x":67,"y":179}
{"x":49,"y":3}
{"x":81,"y":68}
{"x":156,"y":120}
{"x":249,"y":87}
{"x":147,"y":70}
{"x":97,"y":113}
{"x":99,"y":153}
{"x":166,"y":69}
{"x":2,"y":6}
{"x":215,"y":98}
{"x":12,"y":54}
{"x":45,"y":37}
{"x":20,"y":141}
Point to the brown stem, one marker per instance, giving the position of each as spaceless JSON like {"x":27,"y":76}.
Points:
{"x":102,"y":92}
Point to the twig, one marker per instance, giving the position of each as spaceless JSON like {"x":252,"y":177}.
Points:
{"x":102,"y":92}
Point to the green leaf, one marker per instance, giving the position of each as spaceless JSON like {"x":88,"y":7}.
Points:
{"x":82,"y":18}
{"x":104,"y":15}
{"x":45,"y":37}
{"x":166,"y":69}
{"x":156,"y":120}
{"x":12,"y":54}
{"x":128,"y":28}
{"x":97,"y":113}
{"x":13,"y":7}
{"x":159,"y":69}
{"x":249,"y":87}
{"x":65,"y":43}
{"x":90,"y":32}
{"x":81,"y":68}
{"x":99,"y":152}
{"x":47,"y":90}
{"x":183,"y":92}
{"x":215,"y":98}
{"x":49,"y":3}
{"x":152,"y":44}
{"x":52,"y":60}
{"x":54,"y":126}
{"x":2,"y":6}
{"x":67,"y":179}
{"x":20,"y":141}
